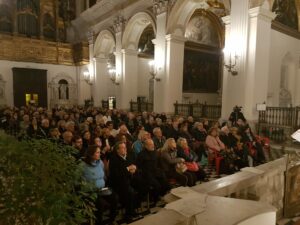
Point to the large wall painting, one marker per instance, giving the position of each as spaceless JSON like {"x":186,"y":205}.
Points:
{"x":201,"y":30}
{"x":201,"y":71}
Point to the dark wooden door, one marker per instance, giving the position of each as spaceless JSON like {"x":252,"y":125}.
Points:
{"x":30,"y":82}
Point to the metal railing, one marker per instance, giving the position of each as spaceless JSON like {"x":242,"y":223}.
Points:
{"x":198,"y":110}
{"x":141,"y":106}
{"x":278,"y":123}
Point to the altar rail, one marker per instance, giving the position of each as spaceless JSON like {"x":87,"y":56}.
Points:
{"x":141,"y":106}
{"x":278,"y":123}
{"x":265,"y":183}
{"x":198,"y":110}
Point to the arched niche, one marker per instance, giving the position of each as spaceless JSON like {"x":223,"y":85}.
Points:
{"x":203,"y":57}
{"x":145,"y":45}
{"x":134,"y":29}
{"x":104,"y":45}
{"x":204,"y":27}
{"x":63,"y":91}
{"x":183,"y":10}
{"x":288,"y":80}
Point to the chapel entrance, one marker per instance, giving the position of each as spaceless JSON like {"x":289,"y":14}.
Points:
{"x":29,"y":87}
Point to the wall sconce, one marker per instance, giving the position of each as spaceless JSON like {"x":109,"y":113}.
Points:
{"x":113,"y":75}
{"x":231,"y":65}
{"x":87,"y":77}
{"x":153,"y":70}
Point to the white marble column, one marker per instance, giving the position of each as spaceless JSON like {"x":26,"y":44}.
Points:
{"x":119,"y":25}
{"x":91,"y":67}
{"x":234,"y":87}
{"x":160,"y":55}
{"x":226,"y":76}
{"x":102,"y":81}
{"x":174,"y":72}
{"x":248,"y":35}
{"x":129,"y":77}
{"x":258,"y":63}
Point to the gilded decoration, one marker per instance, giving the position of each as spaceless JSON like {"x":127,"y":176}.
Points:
{"x":292,"y":199}
{"x":40,"y":51}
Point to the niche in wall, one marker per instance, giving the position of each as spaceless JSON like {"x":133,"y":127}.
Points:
{"x":202,"y":69}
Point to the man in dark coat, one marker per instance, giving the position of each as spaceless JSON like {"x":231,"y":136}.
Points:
{"x":153,"y":178}
{"x":122,"y":179}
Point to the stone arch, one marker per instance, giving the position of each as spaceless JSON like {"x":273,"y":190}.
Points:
{"x":56,"y":87}
{"x":181,"y":13}
{"x":62,"y":76}
{"x":209,"y":26}
{"x":104,"y":44}
{"x":135,"y":28}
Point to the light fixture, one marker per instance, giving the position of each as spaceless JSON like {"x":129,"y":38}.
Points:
{"x":153,"y":70}
{"x":231,"y":64}
{"x":87,"y":77}
{"x":113,"y":74}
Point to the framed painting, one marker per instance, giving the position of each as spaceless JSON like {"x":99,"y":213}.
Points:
{"x":201,"y":71}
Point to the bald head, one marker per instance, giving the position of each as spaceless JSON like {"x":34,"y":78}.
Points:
{"x":149,"y":145}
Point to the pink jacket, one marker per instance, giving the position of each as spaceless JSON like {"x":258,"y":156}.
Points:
{"x":214,"y":143}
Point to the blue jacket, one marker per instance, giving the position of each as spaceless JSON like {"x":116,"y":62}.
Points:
{"x":94,"y":173}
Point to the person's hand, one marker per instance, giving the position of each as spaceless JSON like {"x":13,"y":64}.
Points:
{"x":106,"y":148}
{"x":131,"y":169}
{"x":182,"y":160}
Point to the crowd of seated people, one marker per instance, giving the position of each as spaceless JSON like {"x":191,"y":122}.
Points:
{"x":136,"y":155}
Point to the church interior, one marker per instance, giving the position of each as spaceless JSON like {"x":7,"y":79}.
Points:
{"x":164,"y":68}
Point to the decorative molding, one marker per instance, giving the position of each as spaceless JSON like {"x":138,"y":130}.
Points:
{"x":119,"y":24}
{"x":90,"y":37}
{"x":129,"y":52}
{"x":226,"y":20}
{"x":285,"y":30}
{"x":160,"y":6}
{"x":16,"y":48}
{"x":262,"y":13}
{"x":175,"y":38}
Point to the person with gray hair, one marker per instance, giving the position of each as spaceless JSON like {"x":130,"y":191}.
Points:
{"x":70,"y":126}
{"x":153,"y":178}
{"x":170,"y":161}
{"x":138,"y":144}
{"x":158,"y":138}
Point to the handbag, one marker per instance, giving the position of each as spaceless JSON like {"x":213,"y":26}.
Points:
{"x":181,"y":167}
{"x":104,"y":191}
{"x":192,"y":166}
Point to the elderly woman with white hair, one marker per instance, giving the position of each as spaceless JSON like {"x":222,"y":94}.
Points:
{"x":171,"y":164}
{"x":191,"y":159}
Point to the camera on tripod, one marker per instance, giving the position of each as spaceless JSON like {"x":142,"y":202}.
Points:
{"x":237,"y":108}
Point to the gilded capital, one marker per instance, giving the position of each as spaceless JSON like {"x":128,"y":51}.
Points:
{"x":90,"y":37}
{"x":119,"y":24}
{"x":160,"y":6}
